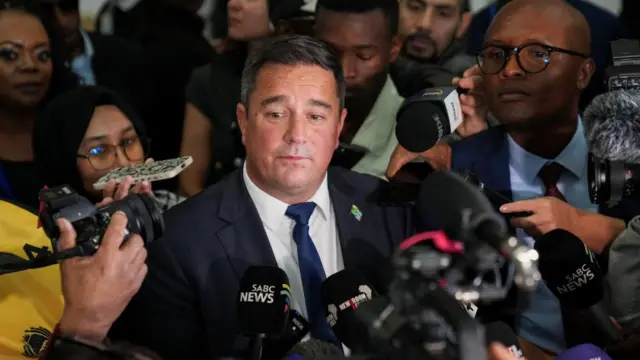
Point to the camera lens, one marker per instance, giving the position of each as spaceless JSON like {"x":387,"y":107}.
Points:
{"x":144,"y":216}
{"x":611,"y":181}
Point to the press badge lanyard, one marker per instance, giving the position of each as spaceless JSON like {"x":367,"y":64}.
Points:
{"x":5,"y":189}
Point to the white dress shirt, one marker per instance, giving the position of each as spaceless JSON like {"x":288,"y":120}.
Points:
{"x":279,"y":229}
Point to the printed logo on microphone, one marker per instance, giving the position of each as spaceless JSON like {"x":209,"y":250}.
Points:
{"x":432,"y":92}
{"x":259,"y":294}
{"x":332,"y":318}
{"x":286,"y":292}
{"x":366,"y":294}
{"x":576,"y":280}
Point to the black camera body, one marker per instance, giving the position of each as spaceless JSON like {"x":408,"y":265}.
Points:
{"x":624,"y":72}
{"x":611,"y":181}
{"x":90,"y":222}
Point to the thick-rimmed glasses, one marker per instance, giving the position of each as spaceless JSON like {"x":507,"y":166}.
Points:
{"x":532,"y":58}
{"x":104,"y":156}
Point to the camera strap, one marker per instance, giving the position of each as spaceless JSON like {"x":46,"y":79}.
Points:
{"x":5,"y":189}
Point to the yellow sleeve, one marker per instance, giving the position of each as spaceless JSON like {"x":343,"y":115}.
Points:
{"x":31,"y":301}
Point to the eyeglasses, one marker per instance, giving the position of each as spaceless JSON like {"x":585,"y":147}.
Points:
{"x":104,"y":156}
{"x":532,"y":58}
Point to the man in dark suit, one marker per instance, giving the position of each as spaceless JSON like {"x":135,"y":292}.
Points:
{"x":100,"y":59}
{"x":291,"y":114}
{"x":534,"y":68}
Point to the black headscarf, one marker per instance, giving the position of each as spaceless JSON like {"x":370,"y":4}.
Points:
{"x":61,"y":127}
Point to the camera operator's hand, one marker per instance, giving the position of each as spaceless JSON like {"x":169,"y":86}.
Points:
{"x":474,"y":108}
{"x":439,"y":157}
{"x":97,"y":288}
{"x":114,"y":192}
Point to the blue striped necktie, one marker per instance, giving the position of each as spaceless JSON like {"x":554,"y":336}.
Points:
{"x":311,"y":271}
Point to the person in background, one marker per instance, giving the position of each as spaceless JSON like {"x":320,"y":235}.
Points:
{"x":630,"y":17}
{"x":87,"y":132}
{"x":433,"y":52}
{"x":31,"y":73}
{"x":211,"y":135}
{"x":97,"y":59}
{"x":605,"y":27}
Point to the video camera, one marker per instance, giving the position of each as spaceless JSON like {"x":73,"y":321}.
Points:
{"x":91,"y":222}
{"x":624,"y":71}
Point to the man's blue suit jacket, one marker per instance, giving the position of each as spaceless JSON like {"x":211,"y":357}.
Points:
{"x":487,"y":154}
{"x":186,"y":306}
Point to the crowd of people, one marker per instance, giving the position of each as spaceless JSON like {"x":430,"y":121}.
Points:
{"x":286,"y":104}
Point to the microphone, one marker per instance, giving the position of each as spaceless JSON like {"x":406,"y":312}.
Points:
{"x":314,"y":349}
{"x":427,"y":117}
{"x":572,"y":273}
{"x":495,"y":197}
{"x":501,"y":333}
{"x":584,"y":352}
{"x":341,"y":294}
{"x":297,"y":328}
{"x":612,"y":130}
{"x":465,"y":213}
{"x":263,"y":304}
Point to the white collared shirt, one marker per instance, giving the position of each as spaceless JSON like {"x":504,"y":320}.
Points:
{"x":279,"y":229}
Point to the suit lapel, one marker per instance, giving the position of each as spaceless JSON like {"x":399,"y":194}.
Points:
{"x":346,"y":212}
{"x":244,"y":239}
{"x":493,"y":167}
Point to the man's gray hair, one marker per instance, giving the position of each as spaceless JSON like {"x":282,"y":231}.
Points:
{"x":292,"y":50}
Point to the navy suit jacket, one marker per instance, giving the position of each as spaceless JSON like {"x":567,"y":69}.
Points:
{"x":186,"y":306}
{"x":487,"y":154}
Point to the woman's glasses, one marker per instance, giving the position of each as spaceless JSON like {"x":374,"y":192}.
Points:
{"x":104,"y":156}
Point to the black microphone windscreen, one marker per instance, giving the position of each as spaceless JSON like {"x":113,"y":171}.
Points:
{"x":342,"y":293}
{"x":420,"y":126}
{"x":569,"y":269}
{"x":501,"y":333}
{"x":453,"y":203}
{"x":263,"y":301}
{"x":612,"y":125}
{"x":314,"y":349}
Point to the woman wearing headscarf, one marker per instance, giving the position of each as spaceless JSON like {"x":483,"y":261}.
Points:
{"x":87,"y":132}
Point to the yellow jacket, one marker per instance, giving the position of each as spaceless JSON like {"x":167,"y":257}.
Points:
{"x":31,"y":301}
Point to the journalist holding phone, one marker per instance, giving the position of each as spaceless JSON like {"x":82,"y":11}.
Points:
{"x":87,"y":132}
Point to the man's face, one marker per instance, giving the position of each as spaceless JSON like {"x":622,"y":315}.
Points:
{"x":291,"y":128}
{"x":526,"y":101}
{"x":68,"y":19}
{"x":430,"y":26}
{"x":365,"y":46}
{"x":247,"y":19}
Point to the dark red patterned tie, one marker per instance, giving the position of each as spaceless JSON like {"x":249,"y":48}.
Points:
{"x":576,"y":330}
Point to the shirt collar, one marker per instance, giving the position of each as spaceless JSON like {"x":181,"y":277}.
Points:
{"x":572,"y":158}
{"x":378,"y":127}
{"x":88,"y":46}
{"x":272,"y":211}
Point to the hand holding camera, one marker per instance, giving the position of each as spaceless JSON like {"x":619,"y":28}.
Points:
{"x":97,"y":288}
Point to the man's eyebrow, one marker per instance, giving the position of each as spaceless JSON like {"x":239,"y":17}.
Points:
{"x":320,"y":103}
{"x":272,"y":99}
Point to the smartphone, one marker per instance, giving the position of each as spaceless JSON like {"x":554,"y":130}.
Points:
{"x":155,"y":171}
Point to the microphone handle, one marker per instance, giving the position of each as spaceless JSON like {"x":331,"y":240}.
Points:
{"x":256,"y":347}
{"x":605,"y":328}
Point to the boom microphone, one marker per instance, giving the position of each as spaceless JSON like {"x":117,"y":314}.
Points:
{"x":612,"y":129}
{"x":572,"y":273}
{"x":263,"y":304}
{"x":584,"y":352}
{"x":297,"y":328}
{"x":465,"y":213}
{"x":427,"y":117}
{"x":342,"y":293}
{"x":612,"y":126}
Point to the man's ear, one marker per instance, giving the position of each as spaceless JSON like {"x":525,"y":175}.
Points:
{"x":396,"y":46}
{"x":586,"y":72}
{"x":243,"y":118}
{"x":343,"y":115}
{"x":463,"y":26}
